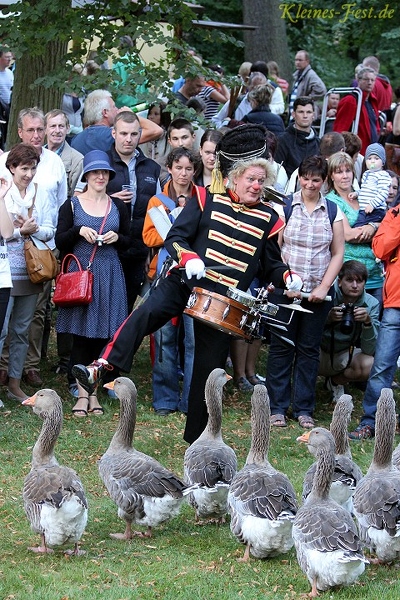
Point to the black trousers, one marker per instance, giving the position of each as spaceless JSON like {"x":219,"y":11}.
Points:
{"x":134,"y":273}
{"x":168,"y":300}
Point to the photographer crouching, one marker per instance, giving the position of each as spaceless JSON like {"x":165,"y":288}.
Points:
{"x":350,"y":332}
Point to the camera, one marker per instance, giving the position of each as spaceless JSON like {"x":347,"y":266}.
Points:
{"x":99,"y":240}
{"x":347,"y":322}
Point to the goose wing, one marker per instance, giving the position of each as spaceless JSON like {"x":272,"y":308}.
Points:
{"x":209,"y":464}
{"x":257,"y":492}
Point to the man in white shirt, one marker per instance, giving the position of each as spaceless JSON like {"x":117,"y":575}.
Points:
{"x":51,"y":177}
{"x":6,"y":85}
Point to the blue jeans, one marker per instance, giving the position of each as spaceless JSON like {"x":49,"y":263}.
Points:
{"x":300,"y":361}
{"x":385,"y":363}
{"x":188,"y":362}
{"x":165,"y":367}
{"x":166,"y":391}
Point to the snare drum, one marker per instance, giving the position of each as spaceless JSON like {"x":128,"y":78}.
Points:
{"x":226,"y":314}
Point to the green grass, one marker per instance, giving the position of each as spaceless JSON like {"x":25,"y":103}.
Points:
{"x":181,"y":560}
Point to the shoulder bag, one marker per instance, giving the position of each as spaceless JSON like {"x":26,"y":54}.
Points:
{"x":41,"y":264}
{"x":76,"y":288}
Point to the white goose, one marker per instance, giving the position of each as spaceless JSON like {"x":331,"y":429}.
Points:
{"x":53,"y":495}
{"x":328,"y":548}
{"x":209,"y":463}
{"x":346,"y":474}
{"x":144,"y":491}
{"x":377,"y":496}
{"x":262,"y":502}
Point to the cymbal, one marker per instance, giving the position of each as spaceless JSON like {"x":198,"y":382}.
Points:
{"x":297,"y":307}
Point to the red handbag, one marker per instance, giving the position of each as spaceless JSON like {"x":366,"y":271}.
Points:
{"x":73,"y":289}
{"x":76,"y":288}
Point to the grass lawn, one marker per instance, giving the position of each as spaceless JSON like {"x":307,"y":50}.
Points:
{"x":181,"y":560}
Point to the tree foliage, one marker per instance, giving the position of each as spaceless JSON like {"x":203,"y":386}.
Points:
{"x":39,"y":33}
{"x":227,"y":51}
{"x":339,"y":38}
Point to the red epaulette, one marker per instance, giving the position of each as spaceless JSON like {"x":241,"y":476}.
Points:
{"x":201,"y":194}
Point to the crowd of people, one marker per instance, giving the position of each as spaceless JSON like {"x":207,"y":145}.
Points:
{"x":170,"y":205}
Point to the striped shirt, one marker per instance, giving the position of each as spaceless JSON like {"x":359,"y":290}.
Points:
{"x":374,"y":189}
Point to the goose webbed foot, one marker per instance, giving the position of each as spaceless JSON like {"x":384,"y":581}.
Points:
{"x":246,"y":555}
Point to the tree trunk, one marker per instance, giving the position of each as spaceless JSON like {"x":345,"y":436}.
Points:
{"x":269,"y":41}
{"x":26,"y":93}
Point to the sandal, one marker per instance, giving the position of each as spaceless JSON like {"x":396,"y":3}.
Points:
{"x":306,"y":421}
{"x":95,"y":410}
{"x":278,"y":421}
{"x":254,"y":380}
{"x":80,"y":412}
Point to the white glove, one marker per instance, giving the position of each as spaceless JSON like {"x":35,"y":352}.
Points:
{"x":195,"y":267}
{"x":293,"y":282}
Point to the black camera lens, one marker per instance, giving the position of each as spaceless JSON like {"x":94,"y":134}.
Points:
{"x":347,"y":322}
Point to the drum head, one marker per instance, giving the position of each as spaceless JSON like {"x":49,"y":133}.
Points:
{"x":242,"y":297}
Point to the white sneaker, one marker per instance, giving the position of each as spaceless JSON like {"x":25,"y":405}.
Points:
{"x":337,"y":390}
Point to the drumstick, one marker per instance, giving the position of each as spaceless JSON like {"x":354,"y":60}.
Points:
{"x":213,"y":268}
{"x":305,"y":295}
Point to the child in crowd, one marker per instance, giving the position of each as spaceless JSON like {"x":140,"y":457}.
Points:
{"x":375,"y":184}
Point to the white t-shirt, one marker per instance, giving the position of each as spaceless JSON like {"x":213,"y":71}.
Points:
{"x":6,"y":84}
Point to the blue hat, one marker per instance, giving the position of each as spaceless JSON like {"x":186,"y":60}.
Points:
{"x":97,"y":160}
{"x":377,"y":149}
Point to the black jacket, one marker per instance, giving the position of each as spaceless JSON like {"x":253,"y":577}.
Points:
{"x":294,"y":146}
{"x":147,"y":174}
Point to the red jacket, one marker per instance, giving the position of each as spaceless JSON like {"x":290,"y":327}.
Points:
{"x":386,"y":246}
{"x":346,"y":114}
{"x":383,"y":92}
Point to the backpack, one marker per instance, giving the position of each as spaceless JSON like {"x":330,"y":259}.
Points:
{"x":331,"y":207}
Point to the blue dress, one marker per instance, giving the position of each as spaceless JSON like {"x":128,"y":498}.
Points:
{"x":101,"y":318}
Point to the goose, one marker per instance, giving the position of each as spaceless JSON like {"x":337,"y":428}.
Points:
{"x":144,"y":491}
{"x":346,"y":474}
{"x":53,"y":495}
{"x":396,"y":457}
{"x":209,"y":463}
{"x":261,"y":500}
{"x":328,"y":548}
{"x":377,"y":496}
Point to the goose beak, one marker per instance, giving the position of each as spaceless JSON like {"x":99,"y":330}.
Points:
{"x":29,"y":401}
{"x":304,"y":438}
{"x":228,"y":377}
{"x":110,"y":385}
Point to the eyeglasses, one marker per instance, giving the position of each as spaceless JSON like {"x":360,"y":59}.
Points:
{"x":368,"y":79}
{"x":32,"y":130}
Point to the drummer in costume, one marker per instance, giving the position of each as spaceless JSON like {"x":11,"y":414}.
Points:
{"x":220,"y":242}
